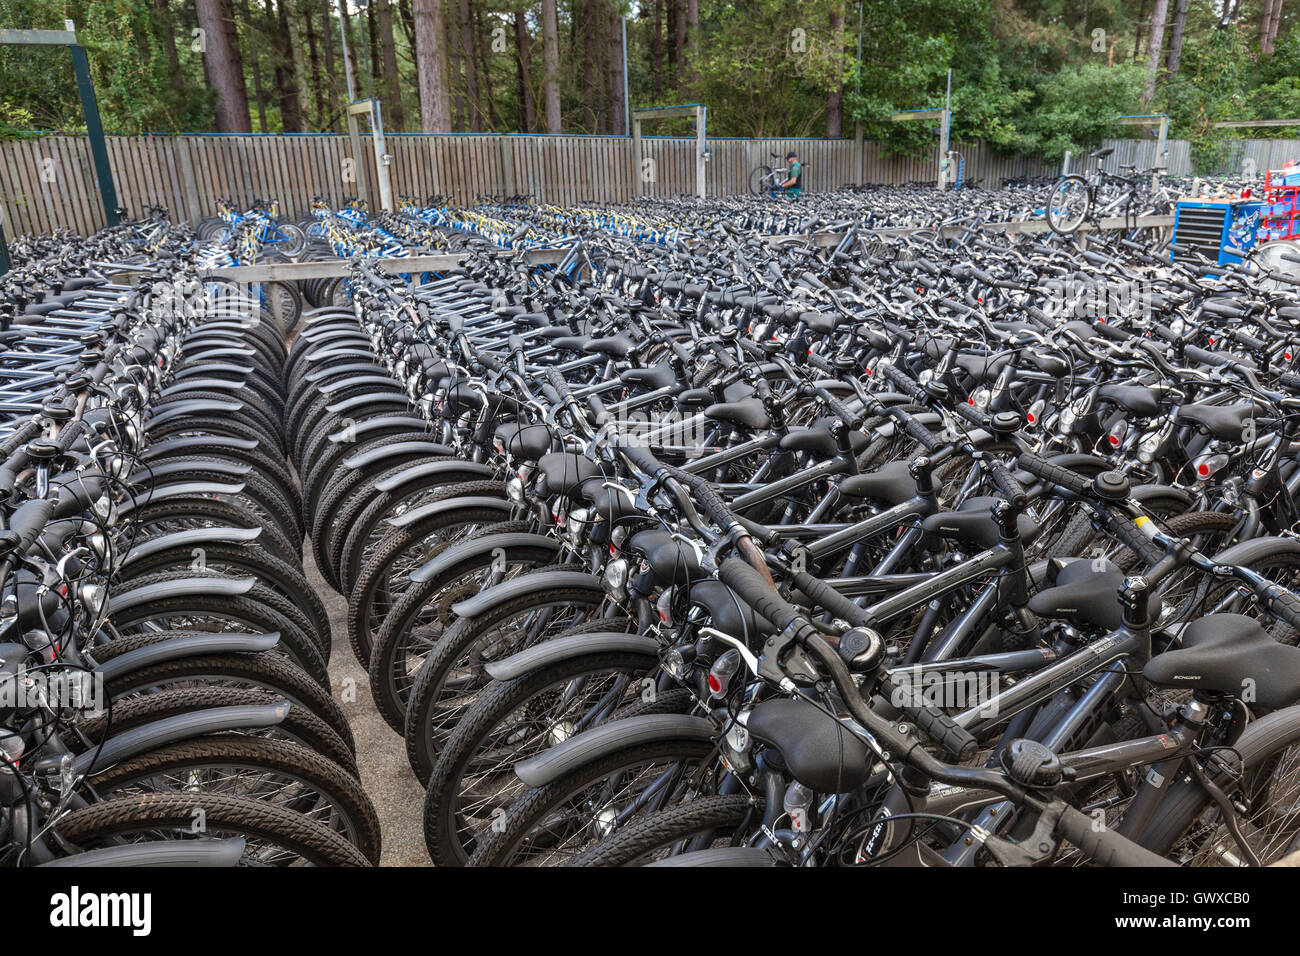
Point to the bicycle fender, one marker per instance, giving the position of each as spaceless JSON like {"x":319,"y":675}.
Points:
{"x":471,"y":469}
{"x":1244,"y":552}
{"x":169,"y":730}
{"x":183,"y":853}
{"x":358,"y":430}
{"x":187,"y":645}
{"x":234,"y":469}
{"x":541,"y":582}
{"x":567,"y":648}
{"x":476,"y":547}
{"x":502,"y":504}
{"x":190,"y":537}
{"x":182,"y":444}
{"x":591,"y":745}
{"x":368,"y":398}
{"x":180,"y":587}
{"x":401,"y":449}
{"x":193,"y":406}
{"x":178,"y":490}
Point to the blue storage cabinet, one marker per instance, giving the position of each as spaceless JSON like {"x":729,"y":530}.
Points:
{"x":1210,"y":227}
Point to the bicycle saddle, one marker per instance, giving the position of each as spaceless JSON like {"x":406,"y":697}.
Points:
{"x":982,"y":367}
{"x":816,"y":748}
{"x":522,"y":441}
{"x":748,"y":412}
{"x":1137,"y":399}
{"x":610,"y":506}
{"x":654,"y":377}
{"x":973,"y":523}
{"x":819,"y":441}
{"x":1228,"y":654}
{"x":565,"y":472}
{"x":1224,"y":422}
{"x":615,"y":346}
{"x":892,"y":484}
{"x":1085,"y":593}
{"x":674,"y":562}
{"x":729,"y":614}
{"x":571,"y":343}
{"x":1103,"y":153}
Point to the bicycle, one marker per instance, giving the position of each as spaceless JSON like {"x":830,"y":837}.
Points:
{"x":1076,"y":198}
{"x":767,"y":179}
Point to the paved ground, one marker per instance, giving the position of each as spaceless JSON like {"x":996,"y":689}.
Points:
{"x":381,"y":755}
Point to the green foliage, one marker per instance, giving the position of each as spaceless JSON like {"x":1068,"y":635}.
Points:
{"x":1036,"y":76}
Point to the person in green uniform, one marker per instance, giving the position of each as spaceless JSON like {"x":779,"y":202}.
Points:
{"x":794,"y":185}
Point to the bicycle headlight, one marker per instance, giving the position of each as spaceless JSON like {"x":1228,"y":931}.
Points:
{"x":515,"y":490}
{"x":94,"y":597}
{"x":616,"y":575}
{"x":1068,"y":417}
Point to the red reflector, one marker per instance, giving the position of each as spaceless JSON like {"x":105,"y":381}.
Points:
{"x":970,"y":401}
{"x":1203,"y":470}
{"x":1287,"y":356}
{"x":715,"y":685}
{"x":1211,"y":340}
{"x":1030,"y":417}
{"x":1114,"y":440}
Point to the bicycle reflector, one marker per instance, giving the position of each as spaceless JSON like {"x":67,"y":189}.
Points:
{"x":724,"y":668}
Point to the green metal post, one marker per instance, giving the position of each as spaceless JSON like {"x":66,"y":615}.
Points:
{"x":95,"y":130}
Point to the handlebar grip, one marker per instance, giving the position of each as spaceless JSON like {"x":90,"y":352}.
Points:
{"x":919,"y":432}
{"x":1006,"y":483}
{"x":825,"y":596}
{"x":819,"y":363}
{"x":955,"y":740}
{"x":1282,"y":603}
{"x":904,"y":383}
{"x":1105,"y":847}
{"x":29,"y":430}
{"x":1139,"y":543}
{"x":754,"y":591}
{"x":1062,"y":477}
{"x":557,"y":380}
{"x":1289,"y":380}
{"x":971,"y":414}
{"x":29,"y":520}
{"x":489,"y":361}
{"x":69,"y":434}
{"x":842,"y":412}
{"x":642,"y":458}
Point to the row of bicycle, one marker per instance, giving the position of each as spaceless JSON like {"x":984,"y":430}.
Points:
{"x":936,"y":551}
{"x":164,"y":698}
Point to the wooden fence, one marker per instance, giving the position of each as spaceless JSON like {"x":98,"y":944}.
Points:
{"x":49,"y":182}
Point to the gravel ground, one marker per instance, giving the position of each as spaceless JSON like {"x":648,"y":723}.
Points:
{"x":381,"y":755}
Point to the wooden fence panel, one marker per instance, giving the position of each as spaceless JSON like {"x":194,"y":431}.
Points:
{"x":188,"y":174}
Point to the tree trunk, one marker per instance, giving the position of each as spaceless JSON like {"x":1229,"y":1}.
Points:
{"x":614,"y":70}
{"x":166,"y":30}
{"x":656,"y":28}
{"x":331,"y":66}
{"x":430,"y":61}
{"x":254,"y":45}
{"x":1155,"y":40}
{"x":286,"y":76}
{"x":835,"y":98}
{"x":692,"y":42}
{"x":297,"y":52}
{"x":551,"y":63}
{"x":1268,"y":25}
{"x":484,"y":72}
{"x":679,"y":45}
{"x":473,"y":107}
{"x":584,"y":13}
{"x":391,"y":87}
{"x":1176,"y":38}
{"x":1137,"y":28}
{"x":224,"y":66}
{"x":524,"y":73}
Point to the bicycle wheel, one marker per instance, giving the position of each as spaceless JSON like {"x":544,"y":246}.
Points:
{"x":1265,"y":780}
{"x":698,"y":825}
{"x":759,"y":178}
{"x":1068,"y":205}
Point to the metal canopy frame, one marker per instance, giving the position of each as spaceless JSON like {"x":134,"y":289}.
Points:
{"x":698,"y":111}
{"x":89,"y":108}
{"x":1161,"y":122}
{"x":372,"y":110}
{"x":944,"y":115}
